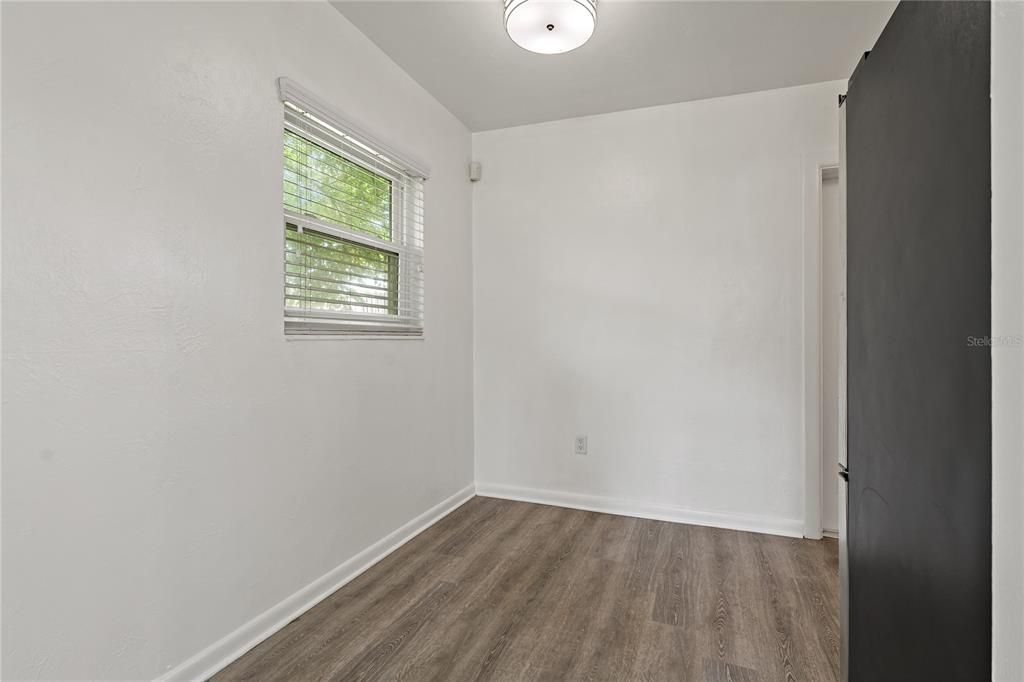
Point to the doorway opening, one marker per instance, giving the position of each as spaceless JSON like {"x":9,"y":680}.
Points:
{"x":824,"y":341}
{"x":832,"y":291}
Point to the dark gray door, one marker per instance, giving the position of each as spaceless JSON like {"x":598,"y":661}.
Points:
{"x":919,"y":373}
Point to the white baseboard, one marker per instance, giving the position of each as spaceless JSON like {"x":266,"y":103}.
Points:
{"x":830,"y":533}
{"x":219,"y":654}
{"x":644,"y":510}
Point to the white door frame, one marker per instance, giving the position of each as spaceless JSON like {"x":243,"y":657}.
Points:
{"x":814,"y":163}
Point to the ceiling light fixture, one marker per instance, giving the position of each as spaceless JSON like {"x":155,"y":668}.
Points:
{"x":550,"y":26}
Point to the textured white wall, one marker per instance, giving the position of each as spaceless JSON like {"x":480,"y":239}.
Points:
{"x":638,"y":279}
{"x":1008,"y":321}
{"x":171,"y":465}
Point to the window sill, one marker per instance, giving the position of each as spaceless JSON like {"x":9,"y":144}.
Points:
{"x":351,"y":337}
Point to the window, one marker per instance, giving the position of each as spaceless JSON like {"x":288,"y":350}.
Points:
{"x":353,"y":228}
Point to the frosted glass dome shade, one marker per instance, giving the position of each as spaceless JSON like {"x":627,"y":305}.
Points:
{"x":550,"y":26}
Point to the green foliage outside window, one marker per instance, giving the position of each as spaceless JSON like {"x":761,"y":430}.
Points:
{"x":324,"y":272}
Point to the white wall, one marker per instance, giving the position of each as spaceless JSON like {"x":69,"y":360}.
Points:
{"x":637,"y":278}
{"x":1008,"y":321}
{"x":171,"y":465}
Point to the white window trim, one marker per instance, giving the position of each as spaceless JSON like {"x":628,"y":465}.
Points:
{"x":298,"y":97}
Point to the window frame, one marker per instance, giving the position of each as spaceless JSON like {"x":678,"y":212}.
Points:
{"x":408,"y":320}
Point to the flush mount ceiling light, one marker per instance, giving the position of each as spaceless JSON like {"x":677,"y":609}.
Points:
{"x":550,"y":26}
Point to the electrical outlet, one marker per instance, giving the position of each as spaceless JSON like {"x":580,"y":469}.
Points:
{"x":581,"y":445}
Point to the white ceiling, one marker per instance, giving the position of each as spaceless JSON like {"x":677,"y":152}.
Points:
{"x":642,"y":54}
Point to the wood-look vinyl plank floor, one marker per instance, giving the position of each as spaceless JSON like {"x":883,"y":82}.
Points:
{"x":502,"y":590}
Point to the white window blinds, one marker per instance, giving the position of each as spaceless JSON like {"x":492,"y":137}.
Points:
{"x":353,"y":227}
